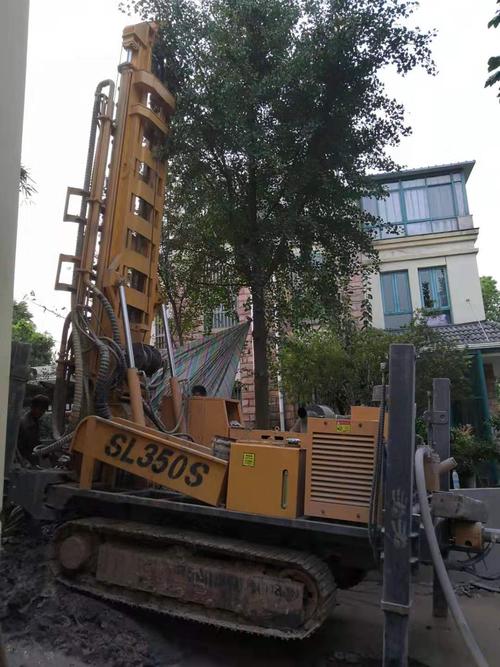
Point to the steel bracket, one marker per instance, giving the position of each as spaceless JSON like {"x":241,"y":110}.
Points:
{"x":65,"y":259}
{"x":76,"y":192}
{"x":378,"y":392}
{"x":395,"y":608}
{"x":435,"y":417}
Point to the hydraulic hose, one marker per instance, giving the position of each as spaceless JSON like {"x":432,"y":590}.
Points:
{"x":76,"y":409}
{"x":437,"y":559}
{"x":43,"y":450}
{"x":108,"y":309}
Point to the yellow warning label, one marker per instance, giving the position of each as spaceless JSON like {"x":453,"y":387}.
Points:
{"x":249,"y":460}
{"x":343,"y":427}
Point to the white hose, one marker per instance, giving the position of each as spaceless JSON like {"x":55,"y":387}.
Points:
{"x":439,"y":565}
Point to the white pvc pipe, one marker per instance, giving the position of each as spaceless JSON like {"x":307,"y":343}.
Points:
{"x":438,"y":561}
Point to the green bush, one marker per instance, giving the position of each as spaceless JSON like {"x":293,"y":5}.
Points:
{"x":469,"y":451}
{"x":341,"y":368}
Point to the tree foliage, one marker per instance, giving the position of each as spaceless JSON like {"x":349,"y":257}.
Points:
{"x":24,"y":331}
{"x":324,"y":366}
{"x":281,"y":113}
{"x":491,"y":298}
{"x":494,"y":61}
{"x":192,"y":287}
{"x":26,"y":183}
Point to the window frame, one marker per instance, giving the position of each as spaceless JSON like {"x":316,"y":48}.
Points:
{"x":435,"y":288}
{"x":394,"y":186}
{"x":395,"y":295}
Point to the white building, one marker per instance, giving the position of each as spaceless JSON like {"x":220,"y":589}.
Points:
{"x":427,"y":252}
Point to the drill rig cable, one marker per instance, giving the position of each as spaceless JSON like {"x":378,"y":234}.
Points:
{"x":103,"y":380}
{"x":439,"y":566}
{"x":76,"y":408}
{"x":43,"y":450}
{"x":155,"y":417}
{"x":108,"y":308}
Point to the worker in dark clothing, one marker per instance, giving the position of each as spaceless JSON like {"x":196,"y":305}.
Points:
{"x":29,"y":428}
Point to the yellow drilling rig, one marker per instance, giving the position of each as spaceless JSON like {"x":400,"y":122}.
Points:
{"x":182,"y":510}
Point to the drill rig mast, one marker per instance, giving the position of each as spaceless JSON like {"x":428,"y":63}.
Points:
{"x":114,"y":293}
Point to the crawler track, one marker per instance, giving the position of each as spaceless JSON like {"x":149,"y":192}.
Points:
{"x":223,"y":582}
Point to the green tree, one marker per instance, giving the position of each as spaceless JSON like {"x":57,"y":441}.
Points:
{"x":281,"y":113}
{"x":494,"y":61}
{"x":342,"y":370}
{"x":491,"y":298}
{"x":189,"y":285}
{"x":317,"y":367}
{"x":24,"y":331}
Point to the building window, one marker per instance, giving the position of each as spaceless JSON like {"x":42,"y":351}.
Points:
{"x":420,"y":205}
{"x":396,"y":299}
{"x":435,"y":295}
{"x":221,"y":318}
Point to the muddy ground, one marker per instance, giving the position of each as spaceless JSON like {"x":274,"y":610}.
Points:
{"x":46,"y":624}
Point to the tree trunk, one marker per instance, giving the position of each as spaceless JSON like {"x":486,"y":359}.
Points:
{"x":261,"y":372}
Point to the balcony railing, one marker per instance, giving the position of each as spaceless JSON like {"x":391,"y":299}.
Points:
{"x":392,"y":231}
{"x":415,"y":228}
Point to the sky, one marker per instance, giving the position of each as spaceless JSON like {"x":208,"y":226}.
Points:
{"x":74,"y":45}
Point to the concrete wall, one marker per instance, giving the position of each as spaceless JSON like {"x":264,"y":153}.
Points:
{"x":455,"y":250}
{"x":13,"y":41}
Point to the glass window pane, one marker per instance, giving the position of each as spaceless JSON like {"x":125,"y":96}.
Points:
{"x":414,"y":183}
{"x":417,"y":207}
{"x":390,"y":208}
{"x":397,"y":321}
{"x":388,"y":299}
{"x":403,"y":291}
{"x":459,"y":196}
{"x":444,"y":225}
{"x":395,"y":292}
{"x":434,"y":288}
{"x":391,"y":186}
{"x":441,"y":287}
{"x":441,"y":201}
{"x":418,"y":228}
{"x":436,"y":180}
{"x":369,"y":205}
{"x":391,"y":231}
{"x":426,"y":288}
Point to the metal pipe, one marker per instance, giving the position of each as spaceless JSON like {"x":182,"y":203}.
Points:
{"x":439,"y":566}
{"x":133,"y":381}
{"x":447,"y":465}
{"x":168,"y":339}
{"x":96,"y":111}
{"x":126,"y":326}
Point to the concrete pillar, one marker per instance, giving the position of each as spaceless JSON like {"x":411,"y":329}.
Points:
{"x":13,"y":46}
